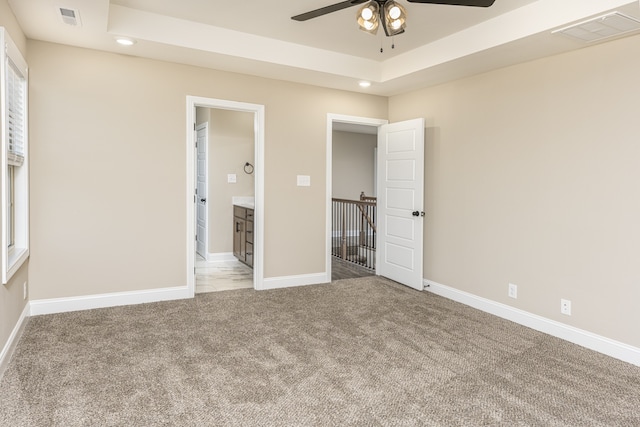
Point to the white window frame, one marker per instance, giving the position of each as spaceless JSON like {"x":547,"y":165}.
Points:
{"x":14,"y":254}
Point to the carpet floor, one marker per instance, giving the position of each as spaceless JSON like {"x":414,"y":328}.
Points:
{"x":357,"y":352}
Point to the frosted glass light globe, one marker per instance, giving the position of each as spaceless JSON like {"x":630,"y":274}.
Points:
{"x":366,"y":14}
{"x":394,"y":12}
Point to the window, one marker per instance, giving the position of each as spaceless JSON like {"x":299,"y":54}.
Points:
{"x":15,"y":174}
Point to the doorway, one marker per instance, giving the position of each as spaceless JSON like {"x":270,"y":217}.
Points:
{"x":343,"y":186}
{"x":210,"y":200}
{"x":400,"y":183}
{"x":224,"y":173}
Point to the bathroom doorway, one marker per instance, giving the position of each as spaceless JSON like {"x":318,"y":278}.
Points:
{"x":225,"y":179}
{"x":225,"y":158}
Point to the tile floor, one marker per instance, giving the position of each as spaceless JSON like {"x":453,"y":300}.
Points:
{"x":222,"y":275}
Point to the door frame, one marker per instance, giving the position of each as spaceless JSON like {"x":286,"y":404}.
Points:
{"x":259,"y":137}
{"x":331,"y":119}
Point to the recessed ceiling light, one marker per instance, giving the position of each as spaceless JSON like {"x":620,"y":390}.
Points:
{"x":124,"y":41}
{"x":364,"y":84}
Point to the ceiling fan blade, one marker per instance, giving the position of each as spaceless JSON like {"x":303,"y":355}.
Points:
{"x":478,"y":3}
{"x":327,"y":9}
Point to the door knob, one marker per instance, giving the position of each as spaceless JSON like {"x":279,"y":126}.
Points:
{"x":417,"y":213}
{"x":203,"y":200}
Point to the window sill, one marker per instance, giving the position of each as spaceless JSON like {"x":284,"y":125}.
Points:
{"x":16,"y":257}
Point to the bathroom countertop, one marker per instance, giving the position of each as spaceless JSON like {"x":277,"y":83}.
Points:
{"x":248,"y":202}
{"x":247,"y":205}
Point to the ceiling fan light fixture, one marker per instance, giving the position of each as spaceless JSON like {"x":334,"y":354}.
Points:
{"x":387,"y":13}
{"x":368,"y":17}
{"x":395,"y":18}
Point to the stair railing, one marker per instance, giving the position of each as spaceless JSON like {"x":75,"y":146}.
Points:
{"x":354,"y":230}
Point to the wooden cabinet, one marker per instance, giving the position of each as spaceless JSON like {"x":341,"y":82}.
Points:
{"x":243,"y":234}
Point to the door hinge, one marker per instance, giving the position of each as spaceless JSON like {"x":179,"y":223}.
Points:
{"x":194,"y":126}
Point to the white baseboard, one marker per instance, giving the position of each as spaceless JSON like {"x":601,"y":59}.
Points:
{"x":88,"y":302}
{"x":581,"y":337}
{"x":291,"y":281}
{"x":16,"y":333}
{"x":221,"y":257}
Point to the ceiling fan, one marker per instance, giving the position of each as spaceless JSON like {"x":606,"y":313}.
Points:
{"x":388,"y":13}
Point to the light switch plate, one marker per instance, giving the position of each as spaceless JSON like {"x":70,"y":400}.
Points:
{"x":231,"y":178}
{"x":304,"y":181}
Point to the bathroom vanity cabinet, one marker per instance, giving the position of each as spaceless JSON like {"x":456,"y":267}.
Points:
{"x":243,"y":234}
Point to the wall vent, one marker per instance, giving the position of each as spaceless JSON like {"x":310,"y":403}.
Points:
{"x":70,"y":16}
{"x":602,"y":27}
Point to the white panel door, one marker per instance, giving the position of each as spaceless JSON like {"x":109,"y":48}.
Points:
{"x":400,"y":202}
{"x":201,"y":190}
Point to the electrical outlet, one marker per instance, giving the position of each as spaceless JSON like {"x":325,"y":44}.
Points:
{"x":513,"y":291}
{"x":24,"y":290}
{"x":565,"y":307}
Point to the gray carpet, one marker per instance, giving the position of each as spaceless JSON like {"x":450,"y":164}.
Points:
{"x":360,"y":352}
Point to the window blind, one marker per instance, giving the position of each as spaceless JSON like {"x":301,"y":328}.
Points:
{"x":15,"y":120}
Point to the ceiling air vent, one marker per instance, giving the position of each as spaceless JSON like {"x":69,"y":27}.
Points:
{"x":601,"y":27}
{"x":70,"y":16}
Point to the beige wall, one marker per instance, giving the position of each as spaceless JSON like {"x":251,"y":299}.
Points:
{"x":231,"y":145}
{"x":9,"y":22}
{"x":353,"y":164}
{"x":532,"y":178}
{"x":109,"y":177}
{"x":12,"y":302}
